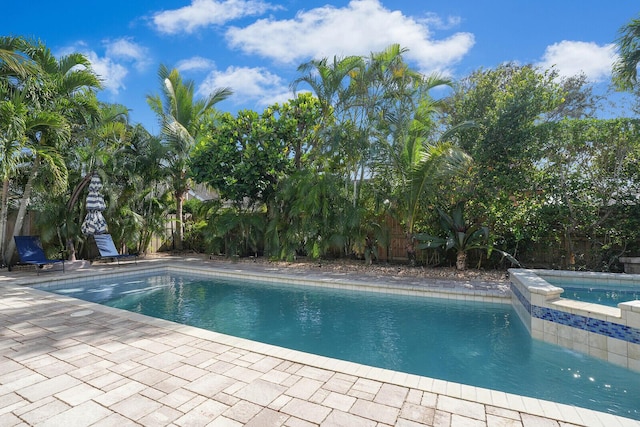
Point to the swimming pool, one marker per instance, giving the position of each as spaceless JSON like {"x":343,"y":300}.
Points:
{"x":479,"y":344}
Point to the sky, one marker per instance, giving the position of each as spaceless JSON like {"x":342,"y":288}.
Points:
{"x":254,"y":47}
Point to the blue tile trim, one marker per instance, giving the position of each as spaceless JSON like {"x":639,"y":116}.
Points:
{"x":523,"y":300}
{"x":602,"y":327}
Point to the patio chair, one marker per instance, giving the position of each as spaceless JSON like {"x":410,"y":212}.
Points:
{"x":30,"y":252}
{"x":107,"y":248}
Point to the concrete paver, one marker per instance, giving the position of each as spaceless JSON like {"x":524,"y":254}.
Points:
{"x":61,"y":366}
{"x":375,"y":411}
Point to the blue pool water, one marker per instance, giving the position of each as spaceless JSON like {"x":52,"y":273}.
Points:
{"x":598,"y":295}
{"x":479,"y":344}
{"x":598,"y":292}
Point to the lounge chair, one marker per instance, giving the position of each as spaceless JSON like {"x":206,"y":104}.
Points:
{"x":107,"y":248}
{"x":30,"y":252}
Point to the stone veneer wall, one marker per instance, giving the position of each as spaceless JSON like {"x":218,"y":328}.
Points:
{"x":610,"y":333}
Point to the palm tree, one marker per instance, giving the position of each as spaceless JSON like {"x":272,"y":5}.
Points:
{"x":410,"y":159}
{"x":13,"y":62}
{"x":180,"y":115}
{"x":13,"y":123}
{"x":17,"y":122}
{"x":329,"y":81}
{"x":384,"y":87}
{"x":14,"y":118}
{"x":62,"y":87}
{"x":138,"y":202}
{"x":625,"y":70}
{"x":100,"y":132}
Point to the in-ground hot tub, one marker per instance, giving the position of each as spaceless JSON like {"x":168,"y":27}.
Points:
{"x":610,"y":333}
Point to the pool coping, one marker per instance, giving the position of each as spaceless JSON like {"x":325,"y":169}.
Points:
{"x":522,"y":404}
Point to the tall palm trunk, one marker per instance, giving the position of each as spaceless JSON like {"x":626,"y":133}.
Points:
{"x":179,"y":195}
{"x":4,"y":212}
{"x":22,"y":210}
{"x":410,"y":247}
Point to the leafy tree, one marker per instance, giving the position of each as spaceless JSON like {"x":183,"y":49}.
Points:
{"x":250,"y":157}
{"x":343,"y":141}
{"x":578,"y":99}
{"x":181,"y":115}
{"x":383,"y":86}
{"x":590,"y":176}
{"x":411,"y":158}
{"x":242,"y":158}
{"x":297,"y":122}
{"x":329,"y":82}
{"x":381,"y":130}
{"x":99,"y":134}
{"x":506,"y":104}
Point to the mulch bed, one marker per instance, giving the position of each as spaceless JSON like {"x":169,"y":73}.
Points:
{"x":376,"y":269}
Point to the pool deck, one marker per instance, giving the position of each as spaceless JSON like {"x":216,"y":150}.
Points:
{"x":65,"y":362}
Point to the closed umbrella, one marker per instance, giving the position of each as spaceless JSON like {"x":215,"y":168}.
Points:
{"x":94,"y":222}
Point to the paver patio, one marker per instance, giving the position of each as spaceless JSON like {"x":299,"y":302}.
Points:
{"x":65,"y":362}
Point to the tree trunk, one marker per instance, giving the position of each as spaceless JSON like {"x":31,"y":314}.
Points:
{"x":4,"y":212}
{"x":461,"y":261}
{"x":22,"y":211}
{"x":411,"y":248}
{"x":179,"y":227}
{"x":71,"y":249}
{"x":75,"y":195}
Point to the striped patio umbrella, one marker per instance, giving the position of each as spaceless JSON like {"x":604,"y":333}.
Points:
{"x":94,"y":222}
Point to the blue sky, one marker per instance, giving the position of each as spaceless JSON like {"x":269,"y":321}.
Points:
{"x":255,"y":46}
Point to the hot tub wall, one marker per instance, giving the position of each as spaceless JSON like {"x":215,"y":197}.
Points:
{"x":610,"y":333}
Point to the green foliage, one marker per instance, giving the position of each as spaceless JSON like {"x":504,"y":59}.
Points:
{"x":506,"y":104}
{"x":309,"y":216}
{"x":55,"y":93}
{"x":321,"y":174}
{"x":590,"y":175}
{"x":243,"y":158}
{"x":625,"y":70}
{"x":462,"y":236}
{"x":235,"y":233}
{"x":297,"y":123}
{"x":181,"y":115}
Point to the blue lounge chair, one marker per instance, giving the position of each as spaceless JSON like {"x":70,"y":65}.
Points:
{"x":107,"y":248}
{"x":30,"y":252}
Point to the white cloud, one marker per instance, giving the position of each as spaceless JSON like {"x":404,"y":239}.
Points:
{"x":113,"y":67}
{"x":434,"y":20}
{"x":111,"y":73}
{"x":570,"y":58}
{"x":196,"y":63}
{"x":127,"y":50}
{"x":363,"y":26}
{"x":202,"y":13}
{"x":248,"y":84}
